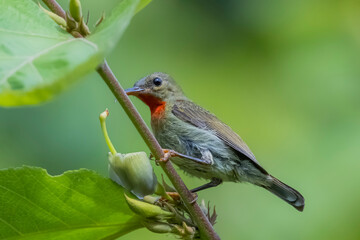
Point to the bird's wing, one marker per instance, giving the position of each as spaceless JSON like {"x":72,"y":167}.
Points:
{"x":191,"y":113}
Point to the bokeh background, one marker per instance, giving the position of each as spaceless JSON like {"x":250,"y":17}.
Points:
{"x":283,"y":74}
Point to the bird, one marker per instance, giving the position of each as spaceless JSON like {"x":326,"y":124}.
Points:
{"x":200,"y":144}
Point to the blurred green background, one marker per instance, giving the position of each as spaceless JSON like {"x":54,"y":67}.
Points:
{"x":283,"y":74}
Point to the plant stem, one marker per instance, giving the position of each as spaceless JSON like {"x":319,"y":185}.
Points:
{"x":102,"y":118}
{"x":55,"y":7}
{"x":206,"y":229}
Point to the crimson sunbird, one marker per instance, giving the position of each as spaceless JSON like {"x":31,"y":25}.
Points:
{"x":203,"y":145}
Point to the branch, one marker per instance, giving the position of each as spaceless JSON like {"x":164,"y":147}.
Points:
{"x":55,"y":7}
{"x":206,"y":229}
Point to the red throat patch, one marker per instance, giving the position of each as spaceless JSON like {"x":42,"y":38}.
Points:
{"x":157,"y":107}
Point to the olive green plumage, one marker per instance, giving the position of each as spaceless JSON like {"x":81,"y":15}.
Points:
{"x":181,"y":125}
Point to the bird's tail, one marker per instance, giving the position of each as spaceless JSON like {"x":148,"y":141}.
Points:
{"x":286,"y":193}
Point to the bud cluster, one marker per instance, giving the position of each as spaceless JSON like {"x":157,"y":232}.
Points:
{"x":158,"y":205}
{"x":162,"y":215}
{"x":74,"y":21}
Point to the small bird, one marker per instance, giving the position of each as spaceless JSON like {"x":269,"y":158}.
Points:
{"x":204,"y":146}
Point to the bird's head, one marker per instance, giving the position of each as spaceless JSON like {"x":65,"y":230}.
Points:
{"x":155,"y":89}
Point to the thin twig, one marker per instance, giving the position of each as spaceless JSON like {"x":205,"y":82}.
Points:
{"x":206,"y":229}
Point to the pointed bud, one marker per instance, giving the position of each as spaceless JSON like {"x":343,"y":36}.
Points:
{"x":188,"y":230}
{"x":147,"y":210}
{"x":160,"y":190}
{"x":150,"y":199}
{"x":159,"y":227}
{"x":75,"y":9}
{"x":83,"y":28}
{"x":104,"y":115}
{"x":59,"y":20}
{"x":71,"y":23}
{"x":185,"y":232}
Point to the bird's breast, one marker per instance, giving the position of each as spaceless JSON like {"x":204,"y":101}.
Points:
{"x":158,"y":111}
{"x":156,"y":105}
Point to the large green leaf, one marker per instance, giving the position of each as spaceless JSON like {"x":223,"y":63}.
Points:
{"x":38,"y":59}
{"x":75,"y":205}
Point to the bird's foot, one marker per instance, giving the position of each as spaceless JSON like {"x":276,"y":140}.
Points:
{"x":167,"y":155}
{"x":171,"y":153}
{"x":176,"y":196}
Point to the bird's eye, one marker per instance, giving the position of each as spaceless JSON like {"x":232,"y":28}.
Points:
{"x":157,"y":81}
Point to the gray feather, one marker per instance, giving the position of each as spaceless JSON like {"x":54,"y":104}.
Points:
{"x":286,"y":193}
{"x":194,"y":114}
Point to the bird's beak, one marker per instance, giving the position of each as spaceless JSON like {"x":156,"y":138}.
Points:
{"x":133,"y":90}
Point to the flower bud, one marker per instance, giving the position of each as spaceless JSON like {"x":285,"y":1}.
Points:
{"x":185,"y":232}
{"x":134,"y":172}
{"x":71,"y":23}
{"x":147,"y":210}
{"x":59,"y":20}
{"x":83,"y":28}
{"x":159,"y":227}
{"x":151,"y":199}
{"x":160,"y":190}
{"x":188,"y":230}
{"x":75,"y":9}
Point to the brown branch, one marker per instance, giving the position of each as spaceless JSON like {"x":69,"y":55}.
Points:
{"x":55,"y":7}
{"x":206,"y":229}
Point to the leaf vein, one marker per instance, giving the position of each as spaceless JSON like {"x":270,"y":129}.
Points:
{"x":48,"y":190}
{"x":17,"y":68}
{"x":11,"y":226}
{"x":34,"y":204}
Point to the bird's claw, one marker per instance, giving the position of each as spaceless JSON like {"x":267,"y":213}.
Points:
{"x":167,"y":155}
{"x":176,"y":196}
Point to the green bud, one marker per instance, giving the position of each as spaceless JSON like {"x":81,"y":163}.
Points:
{"x":133,"y":171}
{"x":188,"y":230}
{"x":71,"y":23}
{"x":159,"y":227}
{"x":75,"y":9}
{"x":83,"y":28}
{"x":160,"y":190}
{"x":59,"y":20}
{"x":147,"y":210}
{"x":151,"y":199}
{"x":185,"y":231}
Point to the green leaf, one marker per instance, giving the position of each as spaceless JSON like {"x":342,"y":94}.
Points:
{"x":75,"y":205}
{"x":38,"y":59}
